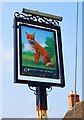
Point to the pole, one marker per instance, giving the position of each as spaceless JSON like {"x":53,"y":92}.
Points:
{"x":75,"y":82}
{"x":41,"y":102}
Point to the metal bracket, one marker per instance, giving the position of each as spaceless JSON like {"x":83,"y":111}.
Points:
{"x":37,"y":19}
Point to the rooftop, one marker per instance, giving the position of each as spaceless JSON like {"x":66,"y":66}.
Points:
{"x":79,"y":108}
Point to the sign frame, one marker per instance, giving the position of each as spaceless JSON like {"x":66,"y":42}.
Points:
{"x":48,"y":72}
{"x":20,"y":18}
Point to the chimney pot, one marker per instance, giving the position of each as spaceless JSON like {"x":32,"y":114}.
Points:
{"x":71,"y":98}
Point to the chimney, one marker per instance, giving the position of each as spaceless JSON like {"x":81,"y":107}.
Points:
{"x":71,"y":98}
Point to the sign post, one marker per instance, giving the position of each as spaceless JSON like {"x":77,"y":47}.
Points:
{"x":41,"y":102}
{"x":38,"y":58}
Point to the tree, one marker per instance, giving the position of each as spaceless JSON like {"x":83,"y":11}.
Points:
{"x":50,"y":46}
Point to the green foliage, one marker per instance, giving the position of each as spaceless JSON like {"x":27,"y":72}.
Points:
{"x":51,"y":48}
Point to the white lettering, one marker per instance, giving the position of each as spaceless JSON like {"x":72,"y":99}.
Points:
{"x":25,"y":70}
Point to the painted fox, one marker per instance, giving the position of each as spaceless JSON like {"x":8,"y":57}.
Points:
{"x":39,"y":50}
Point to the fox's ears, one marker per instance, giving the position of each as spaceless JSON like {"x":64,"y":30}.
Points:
{"x":27,"y":33}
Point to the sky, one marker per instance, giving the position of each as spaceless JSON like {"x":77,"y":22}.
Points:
{"x":40,"y":35}
{"x":17,"y":100}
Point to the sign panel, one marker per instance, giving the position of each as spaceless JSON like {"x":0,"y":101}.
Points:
{"x":38,"y":52}
{"x":38,"y":56}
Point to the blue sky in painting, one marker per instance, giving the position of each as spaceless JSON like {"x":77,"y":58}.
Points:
{"x":40,"y":35}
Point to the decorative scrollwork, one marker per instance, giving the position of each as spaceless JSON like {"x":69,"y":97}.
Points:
{"x":36,"y":18}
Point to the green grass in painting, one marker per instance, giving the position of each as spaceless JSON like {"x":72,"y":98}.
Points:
{"x":28,"y":61}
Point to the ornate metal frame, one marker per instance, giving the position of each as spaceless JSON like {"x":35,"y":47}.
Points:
{"x":35,"y":18}
{"x":42,"y":22}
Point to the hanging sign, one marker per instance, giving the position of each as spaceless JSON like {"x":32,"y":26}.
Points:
{"x":37,"y":52}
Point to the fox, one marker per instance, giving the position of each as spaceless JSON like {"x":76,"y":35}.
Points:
{"x":39,"y":50}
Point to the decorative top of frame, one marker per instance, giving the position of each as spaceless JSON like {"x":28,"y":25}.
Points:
{"x":39,"y":17}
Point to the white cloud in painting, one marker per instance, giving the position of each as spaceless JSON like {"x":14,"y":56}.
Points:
{"x":43,"y":45}
{"x":28,"y":47}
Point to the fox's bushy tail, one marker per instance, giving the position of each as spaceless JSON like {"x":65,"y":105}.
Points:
{"x":50,"y":64}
